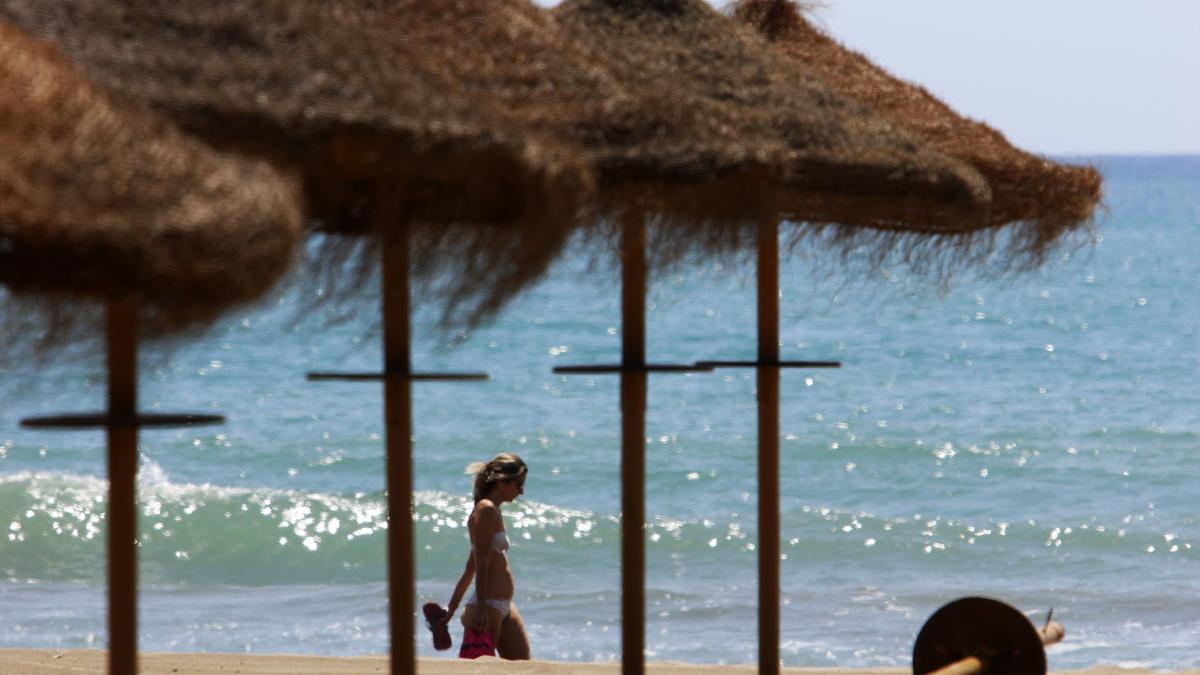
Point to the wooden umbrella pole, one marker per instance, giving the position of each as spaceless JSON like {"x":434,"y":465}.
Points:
{"x":768,"y":448}
{"x":398,"y":416}
{"x":121,"y":338}
{"x":633,"y":444}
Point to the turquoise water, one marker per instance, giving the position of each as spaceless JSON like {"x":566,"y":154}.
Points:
{"x":1034,"y":438}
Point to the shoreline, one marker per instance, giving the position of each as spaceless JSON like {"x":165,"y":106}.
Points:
{"x":76,"y":661}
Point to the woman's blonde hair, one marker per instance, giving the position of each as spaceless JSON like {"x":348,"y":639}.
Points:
{"x":504,"y":466}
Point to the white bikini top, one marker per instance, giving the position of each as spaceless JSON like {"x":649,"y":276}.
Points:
{"x":500,"y":543}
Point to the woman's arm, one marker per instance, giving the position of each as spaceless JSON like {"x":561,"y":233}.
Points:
{"x":487,"y":524}
{"x":463,"y":583}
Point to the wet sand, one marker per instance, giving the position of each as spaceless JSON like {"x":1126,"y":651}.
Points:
{"x":54,"y":662}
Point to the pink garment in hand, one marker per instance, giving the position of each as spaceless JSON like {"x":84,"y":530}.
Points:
{"x":476,"y":644}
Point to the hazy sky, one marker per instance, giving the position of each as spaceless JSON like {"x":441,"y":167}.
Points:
{"x":1056,"y":76}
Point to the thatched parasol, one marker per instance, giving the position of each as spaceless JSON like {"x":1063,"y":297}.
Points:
{"x":1038,"y":200}
{"x":100,"y":201}
{"x":1042,"y":199}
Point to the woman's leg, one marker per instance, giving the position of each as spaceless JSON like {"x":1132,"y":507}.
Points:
{"x":514,"y":643}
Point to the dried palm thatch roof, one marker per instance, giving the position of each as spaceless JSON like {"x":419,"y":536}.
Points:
{"x":656,"y":145}
{"x":296,"y":82}
{"x":648,"y":147}
{"x":100,"y":199}
{"x":1044,"y":198}
{"x":840,"y":163}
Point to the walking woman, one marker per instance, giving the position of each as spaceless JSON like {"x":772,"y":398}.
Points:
{"x":490,"y":618}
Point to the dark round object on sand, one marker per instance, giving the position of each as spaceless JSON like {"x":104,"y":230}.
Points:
{"x":996,"y":633}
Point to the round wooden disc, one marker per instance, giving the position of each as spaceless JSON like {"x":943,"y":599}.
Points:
{"x":996,"y":633}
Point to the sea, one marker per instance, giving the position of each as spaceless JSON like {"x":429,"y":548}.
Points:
{"x":1030,"y":437}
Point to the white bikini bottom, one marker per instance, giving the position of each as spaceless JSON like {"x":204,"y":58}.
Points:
{"x":502,"y":606}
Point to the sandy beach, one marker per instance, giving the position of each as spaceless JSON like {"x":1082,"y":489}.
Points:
{"x":54,"y":662}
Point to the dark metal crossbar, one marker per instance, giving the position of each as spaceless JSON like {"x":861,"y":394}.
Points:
{"x":104,"y":420}
{"x":777,"y":364}
{"x":647,"y":368}
{"x":379,"y":377}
